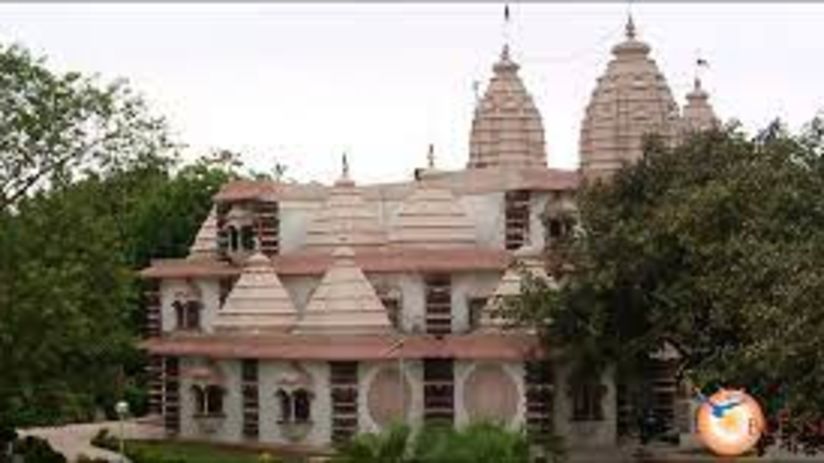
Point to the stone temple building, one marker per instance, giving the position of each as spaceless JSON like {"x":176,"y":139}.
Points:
{"x":307,"y":313}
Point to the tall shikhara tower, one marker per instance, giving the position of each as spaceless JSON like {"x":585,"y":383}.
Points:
{"x":507,"y":128}
{"x":631,"y":100}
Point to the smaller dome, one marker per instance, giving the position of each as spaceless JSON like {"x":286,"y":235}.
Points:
{"x":510,"y":285}
{"x":258,"y":301}
{"x":344,"y":302}
{"x":347,"y":217}
{"x":205,"y":244}
{"x":698,"y":113}
{"x":432,"y":217}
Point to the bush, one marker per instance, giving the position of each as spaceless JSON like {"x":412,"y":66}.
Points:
{"x":37,"y":450}
{"x":476,"y":443}
{"x":7,"y":434}
{"x":87,"y":459}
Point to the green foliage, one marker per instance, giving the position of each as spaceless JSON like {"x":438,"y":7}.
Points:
{"x":37,"y":450}
{"x":87,"y":459}
{"x":90,"y":190}
{"x":387,"y":447}
{"x":55,"y":127}
{"x":714,"y":247}
{"x":475,"y":443}
{"x":178,"y":452}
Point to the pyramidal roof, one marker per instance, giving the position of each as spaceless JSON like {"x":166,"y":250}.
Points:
{"x":431,"y":217}
{"x":631,"y":100}
{"x":205,"y":244}
{"x":698,"y":113}
{"x":510,"y":285}
{"x":347,"y":215}
{"x":507,"y":128}
{"x":344,"y":302}
{"x":258,"y":301}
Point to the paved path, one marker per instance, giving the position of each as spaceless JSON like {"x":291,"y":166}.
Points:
{"x":74,"y":439}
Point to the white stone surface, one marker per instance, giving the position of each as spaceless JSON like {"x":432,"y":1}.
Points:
{"x":344,"y":302}
{"x":258,"y":301}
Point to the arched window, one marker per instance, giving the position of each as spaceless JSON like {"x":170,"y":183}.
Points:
{"x":208,"y":400}
{"x":247,"y":237}
{"x":187,"y":314}
{"x":214,"y":400}
{"x":199,"y":396}
{"x":303,"y":407}
{"x":233,"y":238}
{"x":285,"y":403}
{"x":586,"y":401}
{"x":295,"y":406}
{"x":192,"y":315}
{"x":180,"y":314}
{"x":555,"y":228}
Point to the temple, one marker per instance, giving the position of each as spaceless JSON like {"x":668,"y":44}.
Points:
{"x":307,"y":313}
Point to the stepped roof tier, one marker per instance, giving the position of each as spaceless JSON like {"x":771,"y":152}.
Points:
{"x":205,"y":244}
{"x":527,"y":259}
{"x":258,"y":301}
{"x":432,"y":217}
{"x":345,"y":301}
{"x":345,"y":214}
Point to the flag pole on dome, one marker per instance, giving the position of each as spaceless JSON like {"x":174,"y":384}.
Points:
{"x":700,"y":64}
{"x":344,"y":166}
{"x":507,"y":37}
{"x":630,"y":26}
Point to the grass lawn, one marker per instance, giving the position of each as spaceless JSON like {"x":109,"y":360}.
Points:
{"x":190,"y":452}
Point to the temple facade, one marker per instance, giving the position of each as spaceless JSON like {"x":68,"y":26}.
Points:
{"x":307,"y":313}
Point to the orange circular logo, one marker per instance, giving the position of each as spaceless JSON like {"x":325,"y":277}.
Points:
{"x":730,"y":422}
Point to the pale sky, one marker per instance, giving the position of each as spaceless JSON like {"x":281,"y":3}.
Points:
{"x":304,"y":83}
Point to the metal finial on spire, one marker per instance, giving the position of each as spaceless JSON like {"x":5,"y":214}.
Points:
{"x":700,"y":63}
{"x":345,"y":167}
{"x":430,"y":156}
{"x":630,"y":27}
{"x":506,"y":30}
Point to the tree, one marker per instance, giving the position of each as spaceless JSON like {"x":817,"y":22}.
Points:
{"x":90,"y":190}
{"x":715,"y":247}
{"x":55,"y":127}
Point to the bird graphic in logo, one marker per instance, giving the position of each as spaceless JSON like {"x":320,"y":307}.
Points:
{"x":730,"y":422}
